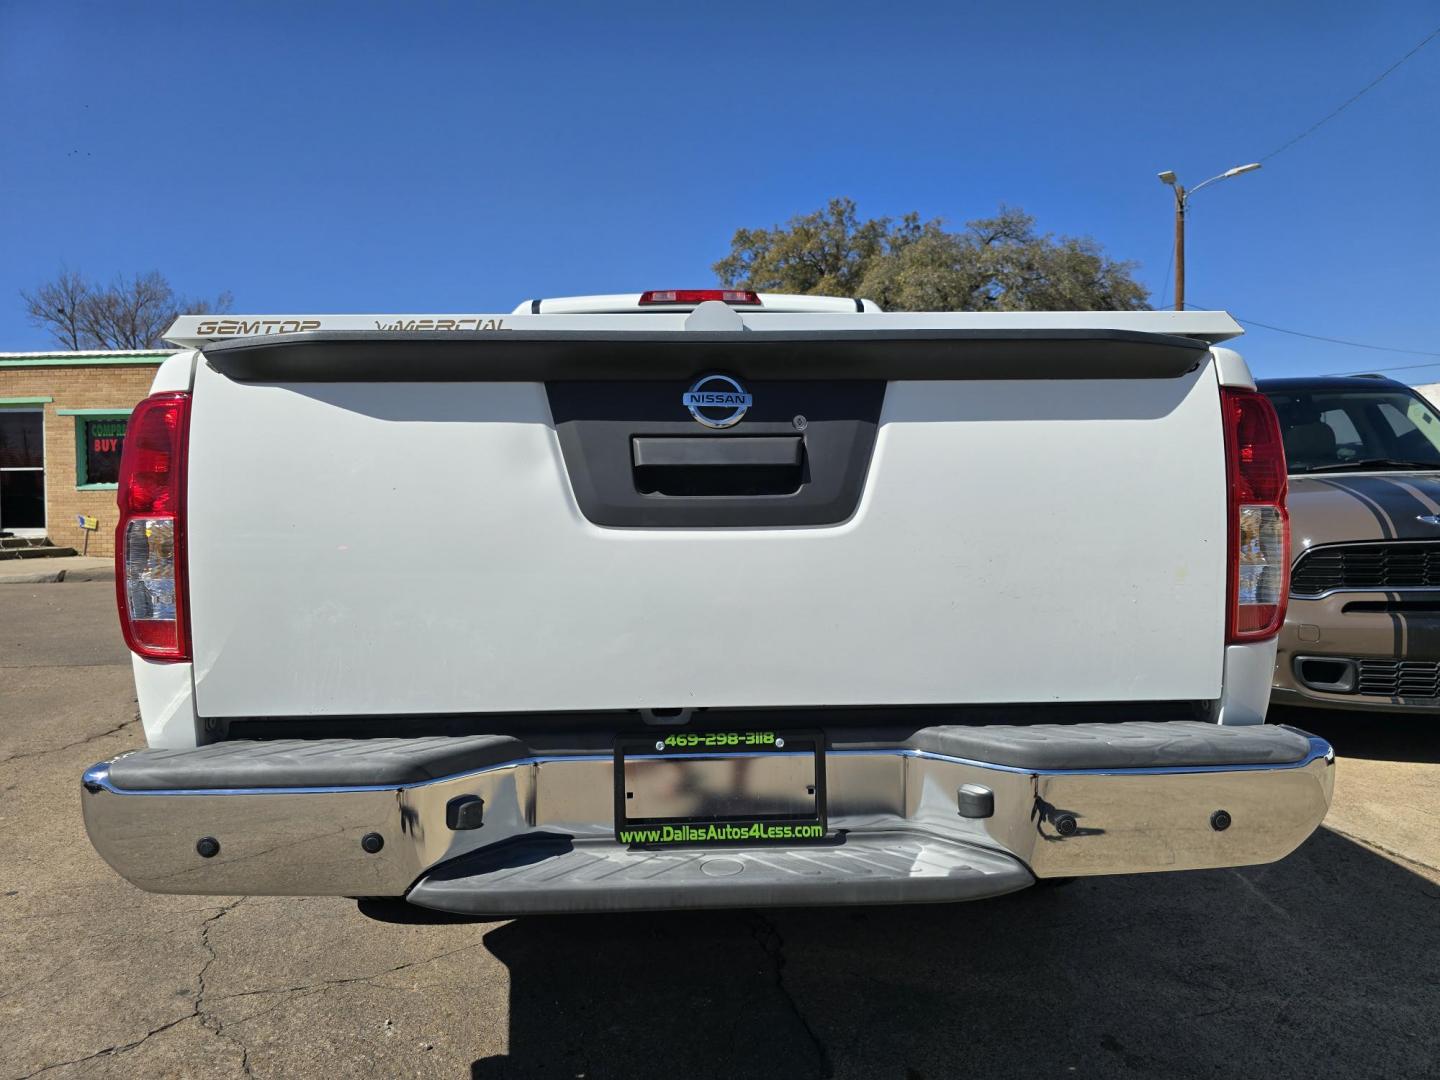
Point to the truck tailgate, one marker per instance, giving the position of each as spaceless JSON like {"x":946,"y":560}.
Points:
{"x":426,"y":547}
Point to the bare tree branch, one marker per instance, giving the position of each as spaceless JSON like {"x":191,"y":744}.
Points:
{"x":56,"y":306}
{"x":129,"y":313}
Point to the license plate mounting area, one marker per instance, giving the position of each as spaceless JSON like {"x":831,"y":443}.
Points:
{"x":719,"y":788}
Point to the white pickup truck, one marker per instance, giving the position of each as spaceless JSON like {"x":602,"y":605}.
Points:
{"x":700,"y":599}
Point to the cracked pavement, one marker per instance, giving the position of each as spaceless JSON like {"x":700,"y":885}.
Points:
{"x":1320,"y":965}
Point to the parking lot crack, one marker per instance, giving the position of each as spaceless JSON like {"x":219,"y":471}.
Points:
{"x":767,"y":935}
{"x":71,"y":745}
{"x":41,"y":980}
{"x":197,"y":1011}
{"x":208,"y":1019}
{"x":325,"y":984}
{"x":109,"y":1051}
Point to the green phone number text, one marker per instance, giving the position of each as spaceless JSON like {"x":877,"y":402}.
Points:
{"x":712,"y":739}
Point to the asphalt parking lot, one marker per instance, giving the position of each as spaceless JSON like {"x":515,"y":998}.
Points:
{"x":1322,"y":965}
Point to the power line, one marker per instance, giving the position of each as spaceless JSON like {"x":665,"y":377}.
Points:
{"x":1368,"y":87}
{"x":1375,"y":370}
{"x":1286,"y":146}
{"x":1369,"y":371}
{"x":1340,"y":341}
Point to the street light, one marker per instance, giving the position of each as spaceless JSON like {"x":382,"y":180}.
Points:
{"x":1181,"y":198}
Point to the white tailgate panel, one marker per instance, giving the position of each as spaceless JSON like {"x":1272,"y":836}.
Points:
{"x":415,"y":548}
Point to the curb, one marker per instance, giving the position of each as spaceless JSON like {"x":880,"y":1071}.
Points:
{"x":94,"y":573}
{"x":46,"y":577}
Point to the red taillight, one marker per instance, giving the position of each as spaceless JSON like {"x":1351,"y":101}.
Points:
{"x":1259,"y":578}
{"x":150,"y":568}
{"x":699,"y":296}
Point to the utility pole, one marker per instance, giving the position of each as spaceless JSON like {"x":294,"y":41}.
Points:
{"x":1179,"y":247}
{"x":1182,"y":200}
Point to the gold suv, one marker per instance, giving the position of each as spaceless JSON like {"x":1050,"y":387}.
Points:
{"x":1363,"y":628}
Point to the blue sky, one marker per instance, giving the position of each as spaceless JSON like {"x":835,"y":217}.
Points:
{"x":461,"y":157}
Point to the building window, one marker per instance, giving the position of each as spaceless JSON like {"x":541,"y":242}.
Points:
{"x":22,"y":470}
{"x":99,"y":440}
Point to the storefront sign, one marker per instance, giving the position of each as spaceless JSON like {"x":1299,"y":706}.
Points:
{"x":103,"y":441}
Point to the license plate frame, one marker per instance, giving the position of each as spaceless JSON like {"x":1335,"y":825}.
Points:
{"x":670,"y":788}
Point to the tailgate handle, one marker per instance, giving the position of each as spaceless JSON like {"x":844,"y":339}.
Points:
{"x":747,"y":451}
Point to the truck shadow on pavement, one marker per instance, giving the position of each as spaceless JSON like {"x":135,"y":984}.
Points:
{"x":1413,"y":737}
{"x":1320,"y":965}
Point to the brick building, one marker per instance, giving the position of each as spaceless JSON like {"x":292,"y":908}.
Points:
{"x":62,"y":423}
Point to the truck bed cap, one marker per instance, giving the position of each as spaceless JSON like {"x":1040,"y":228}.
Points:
{"x":1210,"y":327}
{"x":804,"y":346}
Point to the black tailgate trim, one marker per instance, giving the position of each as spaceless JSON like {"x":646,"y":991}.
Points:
{"x":680,"y":451}
{"x":598,"y":422}
{"x":848,"y":725}
{"x":543,"y":356}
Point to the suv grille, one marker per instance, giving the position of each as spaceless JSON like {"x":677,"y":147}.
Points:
{"x":1400,"y":678}
{"x":1367,"y":566}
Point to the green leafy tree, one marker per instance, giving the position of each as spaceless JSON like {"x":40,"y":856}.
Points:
{"x":827,"y":252}
{"x":994,"y":264}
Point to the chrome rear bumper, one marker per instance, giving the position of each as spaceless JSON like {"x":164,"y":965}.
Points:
{"x":1046,"y":822}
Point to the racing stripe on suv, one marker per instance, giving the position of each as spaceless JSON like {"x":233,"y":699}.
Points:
{"x":1401,"y":503}
{"x":1422,"y":636}
{"x":1395,"y":504}
{"x":1420,"y":496}
{"x":1387,"y":530}
{"x":1382,"y":517}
